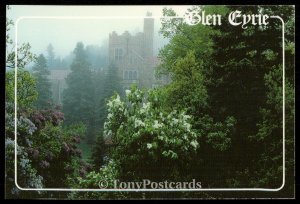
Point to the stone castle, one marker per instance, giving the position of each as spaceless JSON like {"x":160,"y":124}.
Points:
{"x":133,"y":56}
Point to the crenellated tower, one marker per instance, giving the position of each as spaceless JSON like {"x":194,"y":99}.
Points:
{"x":148,"y":35}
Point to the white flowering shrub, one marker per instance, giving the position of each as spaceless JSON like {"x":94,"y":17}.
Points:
{"x":142,"y":131}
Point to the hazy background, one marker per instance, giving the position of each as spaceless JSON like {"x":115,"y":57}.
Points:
{"x":63,"y":34}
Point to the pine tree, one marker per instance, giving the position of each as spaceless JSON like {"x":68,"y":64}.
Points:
{"x":98,"y":152}
{"x":50,"y":56}
{"x":243,"y":79}
{"x":43,"y":85}
{"x":247,"y":72}
{"x":78,"y":101}
{"x":111,"y":84}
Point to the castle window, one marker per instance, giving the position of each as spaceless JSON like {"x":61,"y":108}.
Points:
{"x":134,"y":75}
{"x":130,"y":75}
{"x":118,"y":53}
{"x":125,"y":75}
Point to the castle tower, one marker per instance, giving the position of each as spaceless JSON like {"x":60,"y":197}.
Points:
{"x":148,"y":36}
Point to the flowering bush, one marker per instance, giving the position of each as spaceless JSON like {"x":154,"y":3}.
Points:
{"x":27,"y":175}
{"x":40,"y":117}
{"x":143,"y":132}
{"x":47,"y":153}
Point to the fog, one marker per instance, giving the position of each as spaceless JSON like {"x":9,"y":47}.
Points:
{"x":64,"y":33}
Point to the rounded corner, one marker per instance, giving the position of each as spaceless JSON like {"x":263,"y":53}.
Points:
{"x":19,"y":187}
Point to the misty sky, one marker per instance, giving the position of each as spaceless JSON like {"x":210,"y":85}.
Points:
{"x":65,"y":33}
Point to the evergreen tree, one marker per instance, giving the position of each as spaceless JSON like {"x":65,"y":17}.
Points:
{"x":111,"y":84}
{"x":106,"y":83}
{"x":242,"y":79}
{"x":50,"y":56}
{"x":98,"y":152}
{"x":43,"y":85}
{"x":78,"y":101}
{"x":249,"y":87}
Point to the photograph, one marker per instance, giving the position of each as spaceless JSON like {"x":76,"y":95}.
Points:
{"x":148,"y":102}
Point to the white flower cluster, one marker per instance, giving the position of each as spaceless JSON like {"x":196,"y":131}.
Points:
{"x":115,"y":103}
{"x":157,"y":125}
{"x":171,"y":132}
{"x":145,"y":108}
{"x":116,"y":113}
{"x":138,"y":123}
{"x":127,"y":92}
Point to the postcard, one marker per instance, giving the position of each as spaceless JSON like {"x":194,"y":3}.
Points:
{"x":150,"y":102}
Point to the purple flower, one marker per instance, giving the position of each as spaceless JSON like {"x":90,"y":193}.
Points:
{"x":57,"y":107}
{"x":88,"y":167}
{"x":35,"y":153}
{"x":76,"y":139}
{"x":72,"y":151}
{"x":82,"y":172}
{"x":78,"y":152}
{"x":49,"y":156}
{"x":44,"y":164}
{"x":66,"y":148}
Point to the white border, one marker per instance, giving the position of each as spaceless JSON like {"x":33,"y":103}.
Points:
{"x":144,"y":190}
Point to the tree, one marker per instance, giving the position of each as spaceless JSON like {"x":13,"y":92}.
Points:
{"x":43,"y":85}
{"x":247,"y":86}
{"x":26,"y":92}
{"x":241,"y":105}
{"x":188,"y":60}
{"x":107,"y":83}
{"x":50,"y":56}
{"x":78,"y":101}
{"x":98,"y":152}
{"x":145,"y":136}
{"x":96,"y":56}
{"x":26,"y":89}
{"x":44,"y":146}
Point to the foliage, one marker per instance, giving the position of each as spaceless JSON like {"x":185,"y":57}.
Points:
{"x":187,"y":89}
{"x":253,"y":77}
{"x":78,"y":101}
{"x":26,"y":92}
{"x":142,"y":130}
{"x":44,"y":149}
{"x":27,"y":175}
{"x":43,"y":86}
{"x":26,"y":88}
{"x":219,"y":120}
{"x":240,"y":83}
{"x":93,"y":179}
{"x":99,"y":151}
{"x":24,"y":55}
{"x":109,"y":84}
